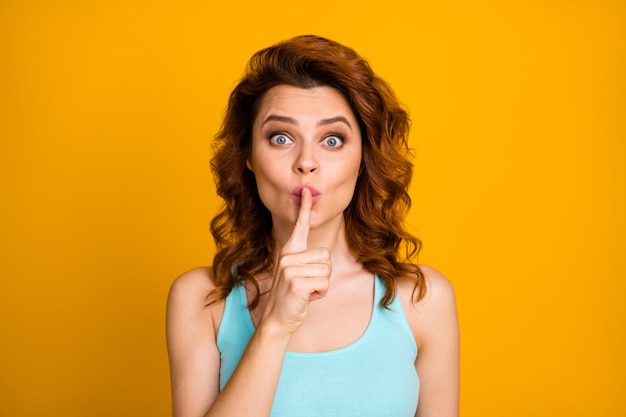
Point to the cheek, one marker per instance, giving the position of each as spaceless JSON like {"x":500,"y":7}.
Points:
{"x":348,"y":171}
{"x":266,"y":193}
{"x":268,"y":182}
{"x":266,"y":173}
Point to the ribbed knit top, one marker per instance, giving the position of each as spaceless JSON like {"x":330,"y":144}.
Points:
{"x":372,"y":377}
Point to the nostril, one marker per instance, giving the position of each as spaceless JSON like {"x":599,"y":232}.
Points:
{"x":305,"y":168}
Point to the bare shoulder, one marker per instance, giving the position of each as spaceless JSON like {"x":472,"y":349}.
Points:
{"x":197,"y":282}
{"x":438,"y":289}
{"x":188,"y":297}
{"x":436,"y":310}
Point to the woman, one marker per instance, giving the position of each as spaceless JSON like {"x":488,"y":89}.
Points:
{"x":313,"y":306}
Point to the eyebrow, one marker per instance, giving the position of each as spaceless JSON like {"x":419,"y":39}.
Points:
{"x":323,"y":122}
{"x":284,"y":119}
{"x":338,"y":119}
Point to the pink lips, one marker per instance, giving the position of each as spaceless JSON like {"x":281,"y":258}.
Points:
{"x":296,"y":194}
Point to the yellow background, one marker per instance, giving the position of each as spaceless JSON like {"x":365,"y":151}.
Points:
{"x":107,"y":109}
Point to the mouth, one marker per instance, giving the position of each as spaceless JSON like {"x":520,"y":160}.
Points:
{"x":296,"y":194}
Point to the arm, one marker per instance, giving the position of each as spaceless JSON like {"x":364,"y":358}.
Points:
{"x":302,"y":275}
{"x":193,"y":355}
{"x":195,"y":360}
{"x":435,"y":325}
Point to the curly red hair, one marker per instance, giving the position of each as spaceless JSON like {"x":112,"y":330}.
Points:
{"x":374,"y":218}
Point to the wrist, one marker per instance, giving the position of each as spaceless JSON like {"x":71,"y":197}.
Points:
{"x":272,"y":333}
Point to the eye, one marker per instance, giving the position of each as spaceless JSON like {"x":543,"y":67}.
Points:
{"x":333,"y":141}
{"x":280,"y":139}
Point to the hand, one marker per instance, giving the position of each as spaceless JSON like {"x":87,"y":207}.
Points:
{"x":302,"y":275}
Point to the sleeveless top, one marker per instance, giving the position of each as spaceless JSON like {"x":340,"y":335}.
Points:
{"x":372,"y":377}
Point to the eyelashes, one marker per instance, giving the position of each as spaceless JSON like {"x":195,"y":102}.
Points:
{"x":331,"y":141}
{"x":280,"y":139}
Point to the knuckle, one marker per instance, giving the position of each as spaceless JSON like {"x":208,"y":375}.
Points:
{"x":297,"y":286}
{"x":287,"y":271}
{"x":284,"y":260}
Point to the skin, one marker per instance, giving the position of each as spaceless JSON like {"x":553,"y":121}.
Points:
{"x":319,"y":297}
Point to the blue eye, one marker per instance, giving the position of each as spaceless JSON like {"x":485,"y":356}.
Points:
{"x":334,"y":141}
{"x":280,"y":139}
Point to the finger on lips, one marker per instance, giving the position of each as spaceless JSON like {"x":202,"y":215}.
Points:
{"x":298,"y":240}
{"x":298,"y":262}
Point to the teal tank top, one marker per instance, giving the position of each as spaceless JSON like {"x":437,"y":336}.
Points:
{"x":372,"y":377}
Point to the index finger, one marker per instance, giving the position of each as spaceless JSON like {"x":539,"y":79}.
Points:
{"x":297,"y":242}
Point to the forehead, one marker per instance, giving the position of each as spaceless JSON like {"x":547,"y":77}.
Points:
{"x":304,"y":103}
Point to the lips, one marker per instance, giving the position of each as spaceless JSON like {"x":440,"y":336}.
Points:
{"x":296,"y":194}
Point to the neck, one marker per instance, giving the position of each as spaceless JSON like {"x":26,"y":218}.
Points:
{"x":330,"y":235}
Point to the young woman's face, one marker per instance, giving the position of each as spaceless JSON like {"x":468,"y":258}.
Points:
{"x":305,"y":137}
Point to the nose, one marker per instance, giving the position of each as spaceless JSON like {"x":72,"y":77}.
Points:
{"x":306,"y":161}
